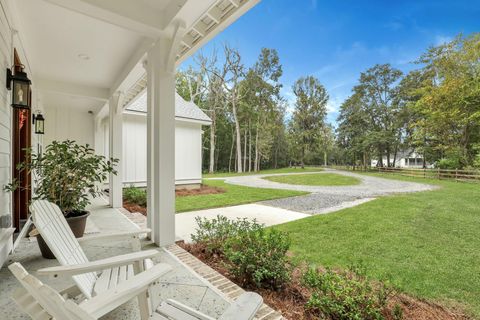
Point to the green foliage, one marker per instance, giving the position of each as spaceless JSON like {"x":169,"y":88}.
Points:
{"x":255,"y":256}
{"x":372,"y":120}
{"x":345,"y":295}
{"x":66,"y":174}
{"x":135,"y":195}
{"x":259,"y":257}
{"x":213,"y":233}
{"x":397,"y":312}
{"x":308,"y":120}
{"x":449,"y":163}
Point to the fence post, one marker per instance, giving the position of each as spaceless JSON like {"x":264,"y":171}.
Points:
{"x":438,"y":173}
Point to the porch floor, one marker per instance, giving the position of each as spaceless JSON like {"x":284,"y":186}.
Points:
{"x":181,"y":284}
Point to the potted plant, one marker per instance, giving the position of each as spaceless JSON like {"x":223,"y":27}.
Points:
{"x":67,"y":174}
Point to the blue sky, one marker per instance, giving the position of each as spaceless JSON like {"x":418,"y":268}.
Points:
{"x":335,"y":40}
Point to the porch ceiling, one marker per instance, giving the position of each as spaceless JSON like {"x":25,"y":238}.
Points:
{"x":92,"y":48}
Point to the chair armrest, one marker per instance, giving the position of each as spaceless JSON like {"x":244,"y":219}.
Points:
{"x":99,"y":265}
{"x":123,"y":292}
{"x":114,"y":236}
{"x":244,"y":308}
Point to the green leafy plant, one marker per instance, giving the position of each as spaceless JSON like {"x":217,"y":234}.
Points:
{"x":66,"y":174}
{"x":135,"y":195}
{"x":259,"y":258}
{"x":213,"y":233}
{"x":397,"y":312}
{"x":345,"y":294}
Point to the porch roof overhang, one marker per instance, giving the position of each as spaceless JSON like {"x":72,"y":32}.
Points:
{"x":90,"y":49}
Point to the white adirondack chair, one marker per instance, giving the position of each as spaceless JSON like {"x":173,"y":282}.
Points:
{"x":42,"y":302}
{"x":53,"y":227}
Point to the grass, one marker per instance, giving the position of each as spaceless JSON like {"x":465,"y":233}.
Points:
{"x":427,"y":243}
{"x":321,"y":179}
{"x":268,"y":171}
{"x":233,"y":195}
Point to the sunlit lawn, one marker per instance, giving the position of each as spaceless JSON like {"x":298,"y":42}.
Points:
{"x":427,"y":242}
{"x":281,"y":170}
{"x":321,"y":179}
{"x":233,"y":195}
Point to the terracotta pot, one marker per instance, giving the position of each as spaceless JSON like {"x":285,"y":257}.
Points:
{"x":77,"y":224}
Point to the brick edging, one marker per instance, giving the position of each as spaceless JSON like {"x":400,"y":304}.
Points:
{"x":217,"y":280}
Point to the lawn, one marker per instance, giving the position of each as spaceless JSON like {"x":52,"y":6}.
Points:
{"x":234,"y":195}
{"x":427,"y":243}
{"x":321,"y":179}
{"x":268,"y":171}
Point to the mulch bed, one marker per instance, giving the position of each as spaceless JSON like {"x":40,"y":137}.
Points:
{"x":203,"y":190}
{"x":290,"y":300}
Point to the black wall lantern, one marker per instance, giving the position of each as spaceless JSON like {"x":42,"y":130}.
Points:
{"x":21,"y":88}
{"x":39,"y":122}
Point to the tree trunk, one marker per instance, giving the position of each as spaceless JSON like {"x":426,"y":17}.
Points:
{"x":325,"y":158}
{"x":303,"y":157}
{"x":238,"y":137}
{"x":249,"y":148}
{"x":388,"y":157}
{"x":256,"y":151}
{"x":231,"y":153}
{"x":395,"y":155}
{"x":211,"y":167}
{"x":245,"y":150}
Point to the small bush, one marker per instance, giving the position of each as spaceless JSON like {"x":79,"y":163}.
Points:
{"x":259,"y":257}
{"x":345,"y":295}
{"x":213,"y":233}
{"x":135,"y":195}
{"x":449,"y":163}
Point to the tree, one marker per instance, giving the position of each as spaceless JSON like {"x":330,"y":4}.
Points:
{"x":309,"y":116}
{"x":449,"y":106}
{"x":232,"y":73}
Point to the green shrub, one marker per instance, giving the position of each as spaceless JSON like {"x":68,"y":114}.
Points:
{"x":259,"y":257}
{"x":135,"y":196}
{"x":213,"y":233}
{"x":449,"y":163}
{"x":345,"y":295}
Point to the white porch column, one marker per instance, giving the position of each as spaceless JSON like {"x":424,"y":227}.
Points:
{"x":115,"y":148}
{"x":161,"y":144}
{"x":150,"y":171}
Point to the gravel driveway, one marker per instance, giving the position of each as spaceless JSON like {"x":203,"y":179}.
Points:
{"x":325,"y":199}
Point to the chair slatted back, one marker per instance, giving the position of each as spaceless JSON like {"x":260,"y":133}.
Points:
{"x":55,"y":231}
{"x":50,"y":300}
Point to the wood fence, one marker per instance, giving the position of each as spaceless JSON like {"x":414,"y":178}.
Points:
{"x":435,"y":173}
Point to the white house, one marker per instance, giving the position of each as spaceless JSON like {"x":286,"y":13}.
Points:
{"x":189,"y":119}
{"x":404,"y":159}
{"x":88,"y":59}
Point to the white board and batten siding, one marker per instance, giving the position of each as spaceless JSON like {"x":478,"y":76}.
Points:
{"x":65,"y":122}
{"x":7,"y":43}
{"x":188,"y":146}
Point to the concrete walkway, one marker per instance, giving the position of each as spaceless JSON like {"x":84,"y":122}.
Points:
{"x":185,"y":223}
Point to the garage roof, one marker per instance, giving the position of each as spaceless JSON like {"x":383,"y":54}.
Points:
{"x":183,"y":109}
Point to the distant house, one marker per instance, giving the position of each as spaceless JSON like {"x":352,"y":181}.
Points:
{"x":404,"y":159}
{"x":189,"y":119}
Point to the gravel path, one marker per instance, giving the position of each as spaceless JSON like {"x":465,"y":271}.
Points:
{"x":325,"y":199}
